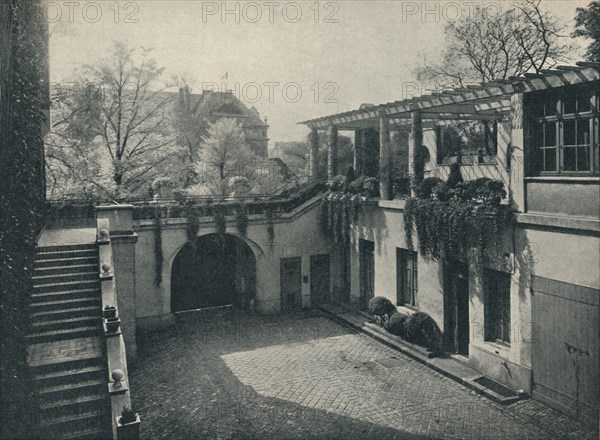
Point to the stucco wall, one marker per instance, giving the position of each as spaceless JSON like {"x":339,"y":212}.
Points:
{"x":297,"y":234}
{"x":561,"y":255}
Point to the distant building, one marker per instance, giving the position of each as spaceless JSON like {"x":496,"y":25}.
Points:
{"x":213,"y":106}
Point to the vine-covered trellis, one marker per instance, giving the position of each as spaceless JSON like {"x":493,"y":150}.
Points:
{"x":451,"y":218}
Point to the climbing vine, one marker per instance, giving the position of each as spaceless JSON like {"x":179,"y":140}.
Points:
{"x":192,"y":214}
{"x":158,"y":252}
{"x":270,"y":226}
{"x":241,"y":218}
{"x":453,"y":217}
{"x":220,"y":222}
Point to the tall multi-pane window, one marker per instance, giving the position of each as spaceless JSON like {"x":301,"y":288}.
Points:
{"x":564,"y":131}
{"x":407,"y":279}
{"x":496,"y":290}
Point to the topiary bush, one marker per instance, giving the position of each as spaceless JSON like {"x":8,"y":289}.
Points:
{"x":421,"y":329}
{"x":396,"y":324}
{"x":424,"y":189}
{"x":381,"y":307}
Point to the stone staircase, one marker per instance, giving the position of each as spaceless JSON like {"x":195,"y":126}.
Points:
{"x":66,"y":353}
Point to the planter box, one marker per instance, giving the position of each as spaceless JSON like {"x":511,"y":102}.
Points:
{"x":112,"y":326}
{"x":421,"y":350}
{"x":129,"y":431}
{"x":109,"y":313}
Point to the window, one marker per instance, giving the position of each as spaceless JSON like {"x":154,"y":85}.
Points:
{"x":496,"y":292}
{"x":406,"y":277}
{"x":472,"y":138}
{"x":564,"y":133}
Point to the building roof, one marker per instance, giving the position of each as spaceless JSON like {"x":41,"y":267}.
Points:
{"x":224,"y":104}
{"x":487,"y":101}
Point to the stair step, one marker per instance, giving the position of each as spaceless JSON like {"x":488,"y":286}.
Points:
{"x":59,"y":255}
{"x":69,"y":390}
{"x":57,"y":262}
{"x":65,"y":304}
{"x":68,"y":323}
{"x":71,"y":406}
{"x":65,"y":286}
{"x":58,"y":335}
{"x":71,"y":423}
{"x":40,"y":281}
{"x":67,"y":247}
{"x":88,"y":361}
{"x":66,"y":294}
{"x":71,"y":375}
{"x":65,"y":270}
{"x":89,"y":433}
{"x":53,"y":315}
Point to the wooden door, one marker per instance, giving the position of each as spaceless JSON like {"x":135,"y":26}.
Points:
{"x":319,"y":279}
{"x":565,"y":347}
{"x":456,"y":308}
{"x":291,"y":284}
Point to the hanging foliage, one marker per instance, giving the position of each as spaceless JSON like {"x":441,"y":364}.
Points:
{"x":220,"y":222}
{"x":451,"y":218}
{"x":337,"y":213}
{"x":158,"y":252}
{"x":270,"y":226}
{"x":241,"y":218}
{"x":192,"y":214}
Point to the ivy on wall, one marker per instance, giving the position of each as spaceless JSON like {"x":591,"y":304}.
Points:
{"x":270,"y":226}
{"x":220,"y":222}
{"x":337,"y":213}
{"x":158,"y":252}
{"x":23,"y":98}
{"x":192,"y":215}
{"x":453,"y":217}
{"x":241,"y":219}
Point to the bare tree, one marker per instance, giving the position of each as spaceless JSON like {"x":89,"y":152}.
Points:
{"x":113,"y":123}
{"x":497,"y":44}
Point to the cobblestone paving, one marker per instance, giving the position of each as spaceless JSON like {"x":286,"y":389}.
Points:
{"x":305,"y":376}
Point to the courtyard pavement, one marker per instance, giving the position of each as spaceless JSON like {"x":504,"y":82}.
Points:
{"x":306,"y":377}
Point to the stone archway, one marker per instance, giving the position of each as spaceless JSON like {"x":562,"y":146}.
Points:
{"x":219,"y":271}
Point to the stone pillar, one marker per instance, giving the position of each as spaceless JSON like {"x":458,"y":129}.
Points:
{"x":123,"y":240}
{"x":359,"y":151}
{"x":415,"y":141}
{"x":314,"y":153}
{"x":514,"y":154}
{"x":332,"y":136}
{"x":385,"y":165}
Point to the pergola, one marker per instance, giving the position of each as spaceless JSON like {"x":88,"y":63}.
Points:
{"x":493,"y":101}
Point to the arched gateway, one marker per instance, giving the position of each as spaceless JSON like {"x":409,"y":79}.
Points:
{"x":219,"y":271}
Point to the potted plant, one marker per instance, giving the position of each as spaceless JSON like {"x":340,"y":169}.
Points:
{"x":110,"y":312}
{"x":112,"y":324}
{"x":128,"y":424}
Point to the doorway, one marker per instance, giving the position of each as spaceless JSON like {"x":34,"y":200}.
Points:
{"x":456,"y":307}
{"x":291,"y":284}
{"x":319,"y":279}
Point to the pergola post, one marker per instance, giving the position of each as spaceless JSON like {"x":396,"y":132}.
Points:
{"x":359,"y":151}
{"x":415,"y":141}
{"x":332,"y":152}
{"x":385,"y":179}
{"x":314,"y":153}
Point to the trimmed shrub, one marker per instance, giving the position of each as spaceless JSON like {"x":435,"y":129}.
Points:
{"x":424,"y":189}
{"x":396,"y":324}
{"x":380,"y":306}
{"x":421,"y":329}
{"x":337,"y":183}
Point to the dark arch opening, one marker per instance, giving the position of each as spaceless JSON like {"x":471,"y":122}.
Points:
{"x":219,"y":271}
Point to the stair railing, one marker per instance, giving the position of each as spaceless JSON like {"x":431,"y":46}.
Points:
{"x":118,"y":385}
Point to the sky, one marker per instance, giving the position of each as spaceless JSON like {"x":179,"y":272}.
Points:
{"x":293,"y":61}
